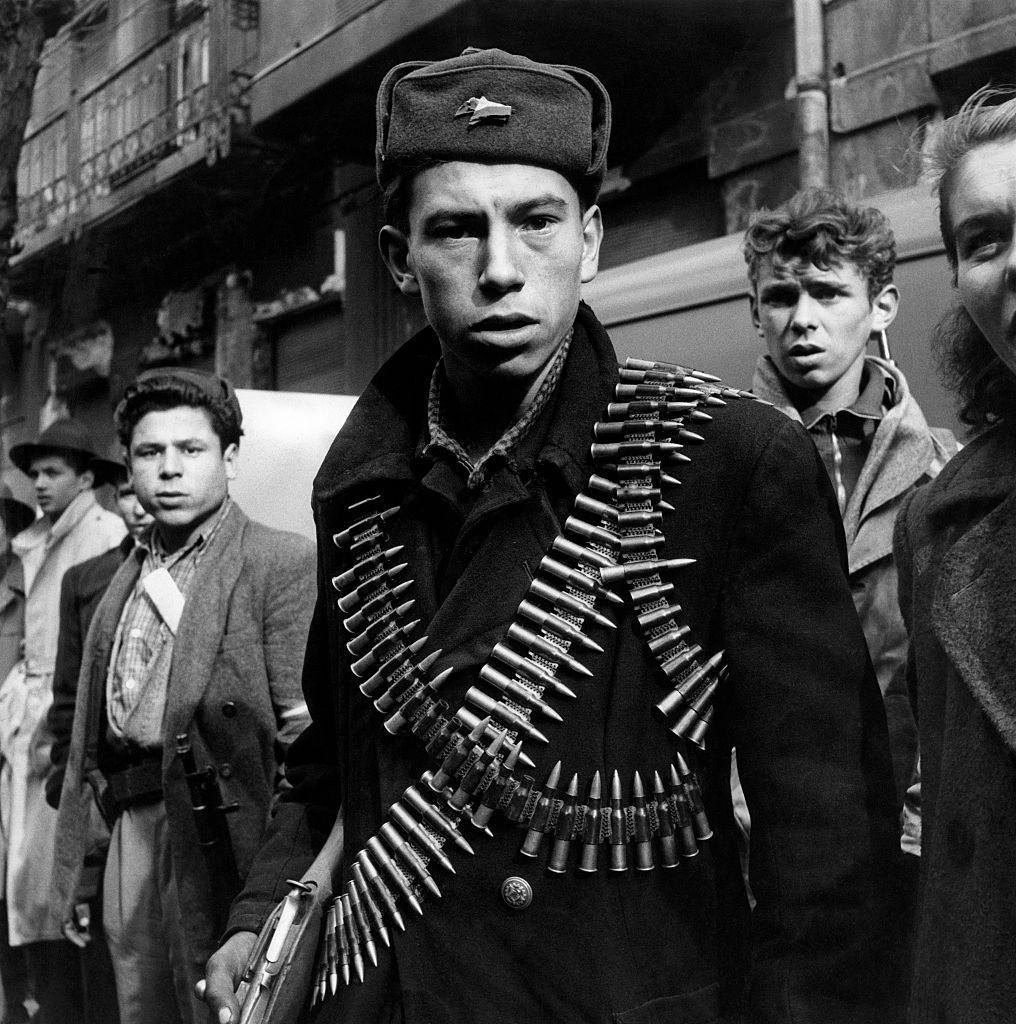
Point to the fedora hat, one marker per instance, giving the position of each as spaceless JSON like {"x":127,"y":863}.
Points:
{"x":110,"y":468}
{"x":64,"y":435}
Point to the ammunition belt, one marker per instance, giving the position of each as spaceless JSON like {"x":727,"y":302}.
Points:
{"x":610,"y":542}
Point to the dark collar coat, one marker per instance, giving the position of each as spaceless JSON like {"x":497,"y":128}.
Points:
{"x":803,"y":709}
{"x":956,"y":543}
{"x":80,"y":593}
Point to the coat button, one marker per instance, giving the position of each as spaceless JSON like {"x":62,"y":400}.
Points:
{"x":229,"y":709}
{"x":516,"y":892}
{"x":226,"y":770}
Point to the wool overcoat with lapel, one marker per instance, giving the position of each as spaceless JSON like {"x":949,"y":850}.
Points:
{"x":12,"y":612}
{"x":236,"y":667}
{"x":956,"y":545}
{"x":80,"y":593}
{"x":663,"y":946}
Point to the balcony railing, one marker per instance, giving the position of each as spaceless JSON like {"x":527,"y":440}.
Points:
{"x":149,"y":109}
{"x":164,"y":98}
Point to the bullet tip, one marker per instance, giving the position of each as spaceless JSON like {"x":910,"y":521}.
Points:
{"x":594,"y":786}
{"x":535,"y":734}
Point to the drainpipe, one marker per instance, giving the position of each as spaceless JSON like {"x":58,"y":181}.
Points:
{"x":812,"y":99}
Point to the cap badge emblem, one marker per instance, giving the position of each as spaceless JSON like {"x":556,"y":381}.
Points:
{"x":481,"y":109}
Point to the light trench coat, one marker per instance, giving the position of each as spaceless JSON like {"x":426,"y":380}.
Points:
{"x":27,"y":822}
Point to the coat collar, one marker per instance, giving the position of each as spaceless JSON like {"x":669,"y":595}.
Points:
{"x":202,"y":625}
{"x":973,"y":612}
{"x":902,"y":453}
{"x":979,"y":478}
{"x":41,"y":532}
{"x":380,"y":440}
{"x":902,"y":449}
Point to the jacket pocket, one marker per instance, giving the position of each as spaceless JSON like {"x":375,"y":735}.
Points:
{"x":699,"y":1007}
{"x":240,"y":640}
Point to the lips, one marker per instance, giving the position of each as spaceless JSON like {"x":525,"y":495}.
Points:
{"x":803,"y":349}
{"x":504,"y":322}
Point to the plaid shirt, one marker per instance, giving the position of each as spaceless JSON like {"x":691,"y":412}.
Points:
{"x":500,"y":452}
{"x":143,"y":645}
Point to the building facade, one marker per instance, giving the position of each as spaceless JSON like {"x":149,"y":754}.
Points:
{"x":196,"y":183}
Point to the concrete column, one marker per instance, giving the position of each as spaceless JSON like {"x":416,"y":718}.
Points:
{"x":236,"y":333}
{"x":812,"y":97}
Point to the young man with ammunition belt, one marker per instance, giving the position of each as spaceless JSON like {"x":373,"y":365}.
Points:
{"x":562,"y":642}
{"x":194,"y":648}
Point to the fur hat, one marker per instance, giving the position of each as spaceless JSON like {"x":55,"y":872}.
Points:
{"x":489,"y":106}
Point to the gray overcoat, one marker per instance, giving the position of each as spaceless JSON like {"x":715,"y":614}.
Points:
{"x":234,"y":687}
{"x":955,"y":548}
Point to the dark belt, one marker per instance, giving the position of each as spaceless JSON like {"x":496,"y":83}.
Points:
{"x":139,"y":783}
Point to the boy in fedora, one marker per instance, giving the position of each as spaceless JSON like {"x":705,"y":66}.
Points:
{"x":64,"y":468}
{"x":14,"y":517}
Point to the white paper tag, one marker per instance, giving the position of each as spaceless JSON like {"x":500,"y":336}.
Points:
{"x":166,"y":596}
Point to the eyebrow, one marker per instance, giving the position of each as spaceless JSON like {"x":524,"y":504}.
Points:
{"x":522,"y":207}
{"x":547,"y":199}
{"x":175,"y":443}
{"x":787,"y":284}
{"x":979,"y":220}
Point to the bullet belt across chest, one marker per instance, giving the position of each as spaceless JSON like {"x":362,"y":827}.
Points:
{"x":610,"y":545}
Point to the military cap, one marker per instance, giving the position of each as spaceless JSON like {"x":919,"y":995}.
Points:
{"x":216,"y":388}
{"x":63,"y":435}
{"x":493,"y":106}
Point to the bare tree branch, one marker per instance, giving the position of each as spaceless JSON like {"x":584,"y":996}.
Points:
{"x":25,"y":25}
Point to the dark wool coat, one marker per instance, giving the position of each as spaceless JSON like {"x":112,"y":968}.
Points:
{"x":955,"y":543}
{"x":80,"y":592}
{"x":236,"y":660}
{"x":12,"y":612}
{"x":802,"y":707}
